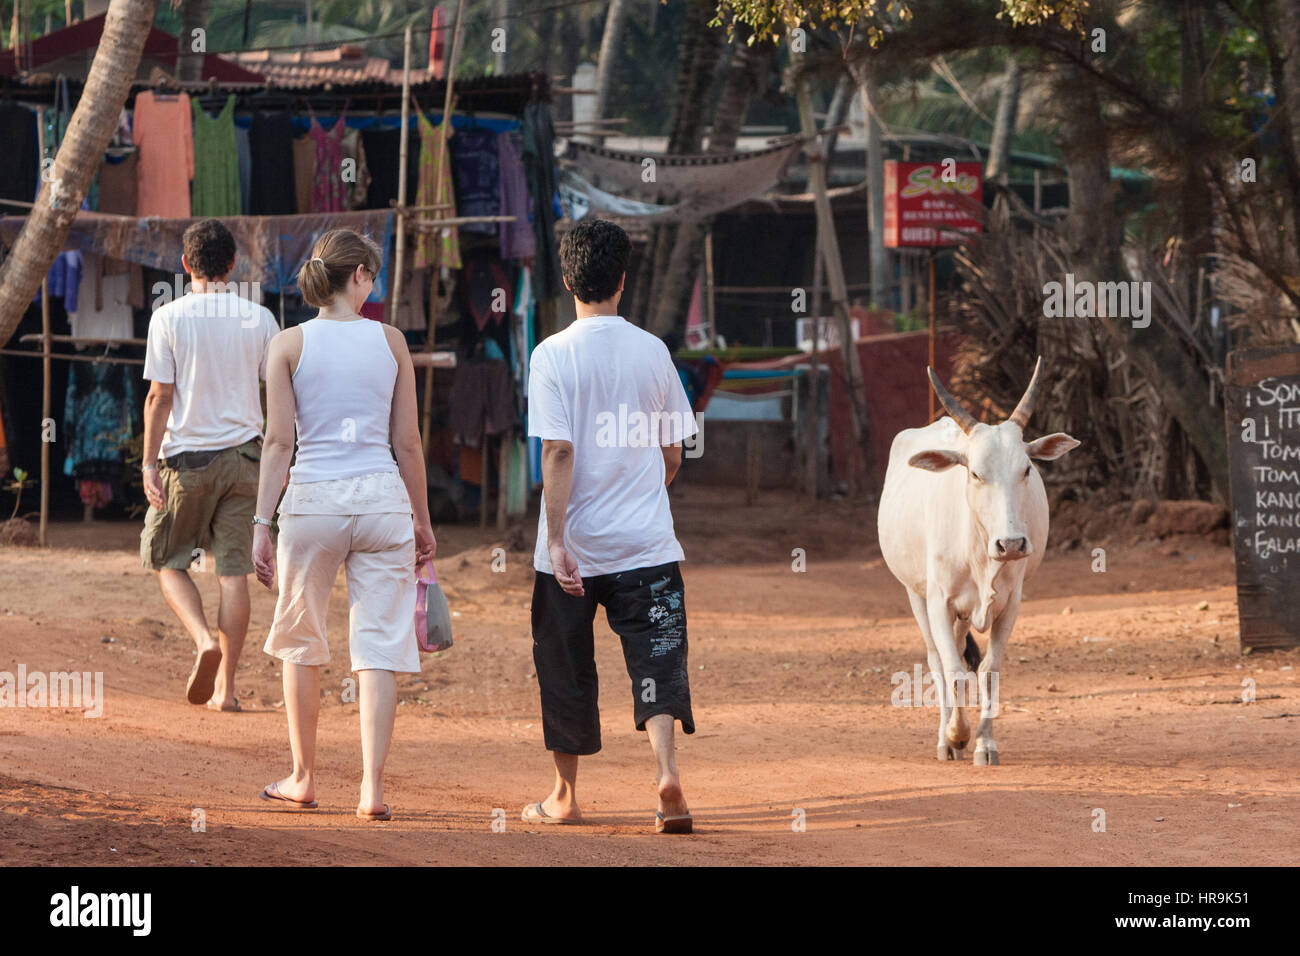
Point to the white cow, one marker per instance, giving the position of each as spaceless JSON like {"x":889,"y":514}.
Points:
{"x":962,"y":540}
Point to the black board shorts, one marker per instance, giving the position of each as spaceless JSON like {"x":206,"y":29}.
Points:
{"x":646,"y":608}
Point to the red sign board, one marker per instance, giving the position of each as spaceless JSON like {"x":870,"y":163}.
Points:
{"x":928,"y":204}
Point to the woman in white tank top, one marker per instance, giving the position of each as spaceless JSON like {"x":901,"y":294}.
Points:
{"x":356,"y":498}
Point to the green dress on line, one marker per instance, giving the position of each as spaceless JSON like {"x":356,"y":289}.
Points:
{"x":215,"y":190}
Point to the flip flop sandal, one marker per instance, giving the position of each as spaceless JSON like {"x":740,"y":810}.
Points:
{"x":385,"y":814}
{"x":272,"y":794}
{"x":678,"y":824}
{"x":236,"y":709}
{"x":541,"y":816}
{"x":203,"y":678}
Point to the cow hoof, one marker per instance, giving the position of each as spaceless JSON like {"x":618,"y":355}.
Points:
{"x":949,"y":753}
{"x":986,"y":758}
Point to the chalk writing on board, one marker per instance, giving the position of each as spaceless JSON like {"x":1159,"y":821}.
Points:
{"x":1273,"y":427}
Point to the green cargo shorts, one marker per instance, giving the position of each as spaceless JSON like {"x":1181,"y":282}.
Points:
{"x":208,"y":517}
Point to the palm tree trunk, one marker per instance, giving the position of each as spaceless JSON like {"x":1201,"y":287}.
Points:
{"x":615,"y":21}
{"x":78,"y":159}
{"x":189,"y":64}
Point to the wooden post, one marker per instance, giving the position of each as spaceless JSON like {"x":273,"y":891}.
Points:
{"x":46,"y":370}
{"x":710,"y":313}
{"x":931,"y":391}
{"x":46,"y":363}
{"x":503,"y":478}
{"x":485,"y":455}
{"x":753,"y":461}
{"x":426,"y":420}
{"x":819,"y":267}
{"x":399,"y":254}
{"x":839,"y":291}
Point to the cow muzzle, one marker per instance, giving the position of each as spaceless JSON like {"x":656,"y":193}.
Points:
{"x":1010,"y":549}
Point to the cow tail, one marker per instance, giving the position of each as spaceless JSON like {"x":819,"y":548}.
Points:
{"x":971,"y":654}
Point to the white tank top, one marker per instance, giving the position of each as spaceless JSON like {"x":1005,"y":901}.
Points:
{"x":343,"y":388}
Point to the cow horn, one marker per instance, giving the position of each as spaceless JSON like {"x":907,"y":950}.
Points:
{"x":965,"y":421}
{"x":1026,"y":407}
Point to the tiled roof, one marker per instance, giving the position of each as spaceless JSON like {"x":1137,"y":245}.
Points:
{"x":344,"y":65}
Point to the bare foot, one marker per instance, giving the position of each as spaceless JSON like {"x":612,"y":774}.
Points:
{"x":672,"y":802}
{"x":552,"y":810}
{"x":302,"y":791}
{"x":199,"y":687}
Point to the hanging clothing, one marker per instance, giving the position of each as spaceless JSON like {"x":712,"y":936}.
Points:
{"x":539,"y":169}
{"x":270,"y":143}
{"x":329,"y":191}
{"x":304,"y":172}
{"x":163,"y":131}
{"x":482,"y":401}
{"x":516,"y":238}
{"x":435,"y":187}
{"x":103,"y":302}
{"x":64,"y":278}
{"x":245,"y":166}
{"x":99,"y":420}
{"x":21,"y":169}
{"x":476,"y":168}
{"x":117,"y":183}
{"x":216,"y":162}
{"x":358,"y":185}
{"x":383,"y":153}
{"x":411,"y":314}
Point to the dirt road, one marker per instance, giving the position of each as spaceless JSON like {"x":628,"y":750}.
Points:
{"x":1121,"y":695}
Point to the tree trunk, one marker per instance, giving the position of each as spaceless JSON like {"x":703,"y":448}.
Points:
{"x":1094,"y":235}
{"x":881,"y":277}
{"x":610,"y":42}
{"x":189,"y":62}
{"x":699,"y":48}
{"x":78,"y":159}
{"x":1004,"y":124}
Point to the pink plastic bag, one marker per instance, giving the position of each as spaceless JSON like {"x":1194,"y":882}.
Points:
{"x":432,"y":616}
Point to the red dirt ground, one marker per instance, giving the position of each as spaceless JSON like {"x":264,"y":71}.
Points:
{"x":791,"y":685}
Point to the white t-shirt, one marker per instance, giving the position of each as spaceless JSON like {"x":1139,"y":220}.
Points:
{"x":212,"y":346}
{"x":611,"y":389}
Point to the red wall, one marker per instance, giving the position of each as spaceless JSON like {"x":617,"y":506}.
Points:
{"x":893,"y":368}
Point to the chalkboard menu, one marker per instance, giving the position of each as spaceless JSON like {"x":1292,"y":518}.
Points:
{"x":1263,"y":418}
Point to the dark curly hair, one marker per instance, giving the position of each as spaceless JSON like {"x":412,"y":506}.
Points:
{"x":209,"y":249}
{"x":593,"y":259}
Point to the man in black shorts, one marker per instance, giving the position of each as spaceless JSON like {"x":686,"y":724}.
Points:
{"x":608,"y":405}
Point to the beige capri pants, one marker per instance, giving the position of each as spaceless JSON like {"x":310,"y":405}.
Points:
{"x":378,"y":551}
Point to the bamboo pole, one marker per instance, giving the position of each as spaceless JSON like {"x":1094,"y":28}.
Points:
{"x":426,"y":423}
{"x":399,"y":256}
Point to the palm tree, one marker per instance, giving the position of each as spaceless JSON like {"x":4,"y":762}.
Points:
{"x":79,"y":156}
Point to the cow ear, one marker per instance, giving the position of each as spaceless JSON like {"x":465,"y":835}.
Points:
{"x":1051,"y":447}
{"x":936,"y":460}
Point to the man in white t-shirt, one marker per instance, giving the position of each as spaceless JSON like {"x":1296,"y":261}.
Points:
{"x":202,"y":445}
{"x":608,"y":405}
